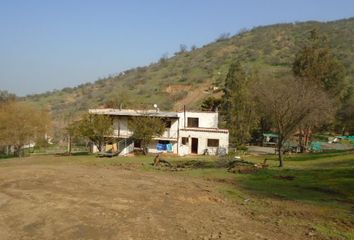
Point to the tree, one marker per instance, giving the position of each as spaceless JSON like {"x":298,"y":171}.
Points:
{"x":5,"y":96}
{"x":288,"y":103}
{"x":22,"y":124}
{"x":316,"y":63}
{"x":211,"y":104}
{"x":182,"y":49}
{"x":72,"y":130}
{"x":238,"y":105}
{"x":145,"y":128}
{"x":345,"y":115}
{"x":95,"y":127}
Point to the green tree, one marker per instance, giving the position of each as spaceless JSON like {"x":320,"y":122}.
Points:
{"x":211,"y":104}
{"x":22,"y":124}
{"x":5,"y":96}
{"x":95,"y":127}
{"x":238,"y":105}
{"x":316,"y":63}
{"x":145,"y":129}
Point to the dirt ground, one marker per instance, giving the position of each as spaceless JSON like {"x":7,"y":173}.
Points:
{"x":39,"y":201}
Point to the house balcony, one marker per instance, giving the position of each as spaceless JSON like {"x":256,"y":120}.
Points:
{"x":169,"y":134}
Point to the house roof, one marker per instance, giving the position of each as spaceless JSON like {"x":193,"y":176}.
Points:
{"x":270,"y":135}
{"x":130,"y":112}
{"x":199,"y":129}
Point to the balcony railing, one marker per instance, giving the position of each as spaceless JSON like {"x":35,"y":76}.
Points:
{"x":168,"y":134}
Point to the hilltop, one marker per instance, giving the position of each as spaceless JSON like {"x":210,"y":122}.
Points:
{"x":193,"y":74}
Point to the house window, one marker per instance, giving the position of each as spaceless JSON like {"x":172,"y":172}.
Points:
{"x":184,"y":140}
{"x":213,"y":142}
{"x":193,"y":122}
{"x":163,"y":142}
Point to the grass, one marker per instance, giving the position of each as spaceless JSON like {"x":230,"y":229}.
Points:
{"x":319,"y":186}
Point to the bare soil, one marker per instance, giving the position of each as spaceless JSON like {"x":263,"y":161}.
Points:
{"x":72,"y":201}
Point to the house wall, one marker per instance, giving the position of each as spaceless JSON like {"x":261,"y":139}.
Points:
{"x":206,"y":119}
{"x":203,"y":141}
{"x":173,"y":131}
{"x":175,"y":134}
{"x":121,"y":128}
{"x":152,"y":147}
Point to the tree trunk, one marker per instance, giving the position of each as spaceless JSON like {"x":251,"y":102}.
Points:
{"x":280,"y":152}
{"x":307,"y":136}
{"x":301,"y":140}
{"x":69,"y":145}
{"x":18,"y":151}
{"x":144,"y":149}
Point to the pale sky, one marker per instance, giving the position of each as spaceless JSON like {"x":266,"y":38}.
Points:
{"x":46,"y":45}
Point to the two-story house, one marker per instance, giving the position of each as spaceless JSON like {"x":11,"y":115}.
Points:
{"x":186,"y":132}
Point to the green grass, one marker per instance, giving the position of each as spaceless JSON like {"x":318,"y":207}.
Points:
{"x":326,"y":178}
{"x":322,"y":182}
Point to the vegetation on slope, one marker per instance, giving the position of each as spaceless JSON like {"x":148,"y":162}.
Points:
{"x":191,"y":76}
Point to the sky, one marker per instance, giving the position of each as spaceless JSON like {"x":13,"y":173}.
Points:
{"x":47,"y":44}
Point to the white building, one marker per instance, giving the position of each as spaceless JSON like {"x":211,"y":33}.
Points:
{"x":186,"y":132}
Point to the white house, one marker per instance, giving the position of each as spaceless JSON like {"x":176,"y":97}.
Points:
{"x":186,"y":132}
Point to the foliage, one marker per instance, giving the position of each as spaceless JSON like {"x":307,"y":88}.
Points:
{"x":316,"y":63}
{"x":211,"y":104}
{"x":119,"y":100}
{"x":5,"y":96}
{"x":22,"y":124}
{"x":238,"y":105}
{"x":276,"y":51}
{"x":95,"y":127}
{"x":145,"y":128}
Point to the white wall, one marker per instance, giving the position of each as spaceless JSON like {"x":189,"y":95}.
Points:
{"x":121,"y":128}
{"x":152,"y":147}
{"x":203,"y":140}
{"x":206,"y":119}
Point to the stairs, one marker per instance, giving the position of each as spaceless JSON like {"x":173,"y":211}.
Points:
{"x":125,"y":146}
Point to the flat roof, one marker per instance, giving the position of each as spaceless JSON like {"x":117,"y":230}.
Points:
{"x":201,"y":129}
{"x":131,"y":112}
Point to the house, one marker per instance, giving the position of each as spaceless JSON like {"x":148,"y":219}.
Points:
{"x":186,"y":132}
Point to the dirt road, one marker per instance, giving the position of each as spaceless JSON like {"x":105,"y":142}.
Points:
{"x":88,"y":202}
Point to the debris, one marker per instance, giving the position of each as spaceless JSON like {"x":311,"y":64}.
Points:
{"x":159,"y":161}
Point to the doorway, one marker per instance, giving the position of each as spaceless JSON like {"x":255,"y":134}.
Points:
{"x":195,"y":145}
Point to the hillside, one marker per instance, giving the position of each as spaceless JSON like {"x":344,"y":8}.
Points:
{"x":190,"y":76}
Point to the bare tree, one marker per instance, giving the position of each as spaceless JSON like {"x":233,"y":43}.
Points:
{"x":290,"y":103}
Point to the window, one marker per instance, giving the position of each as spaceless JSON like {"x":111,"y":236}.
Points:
{"x":184,"y":140}
{"x":193,"y":122}
{"x":213,"y":142}
{"x":164,"y":142}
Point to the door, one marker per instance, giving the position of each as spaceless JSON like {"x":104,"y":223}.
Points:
{"x":195,"y":145}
